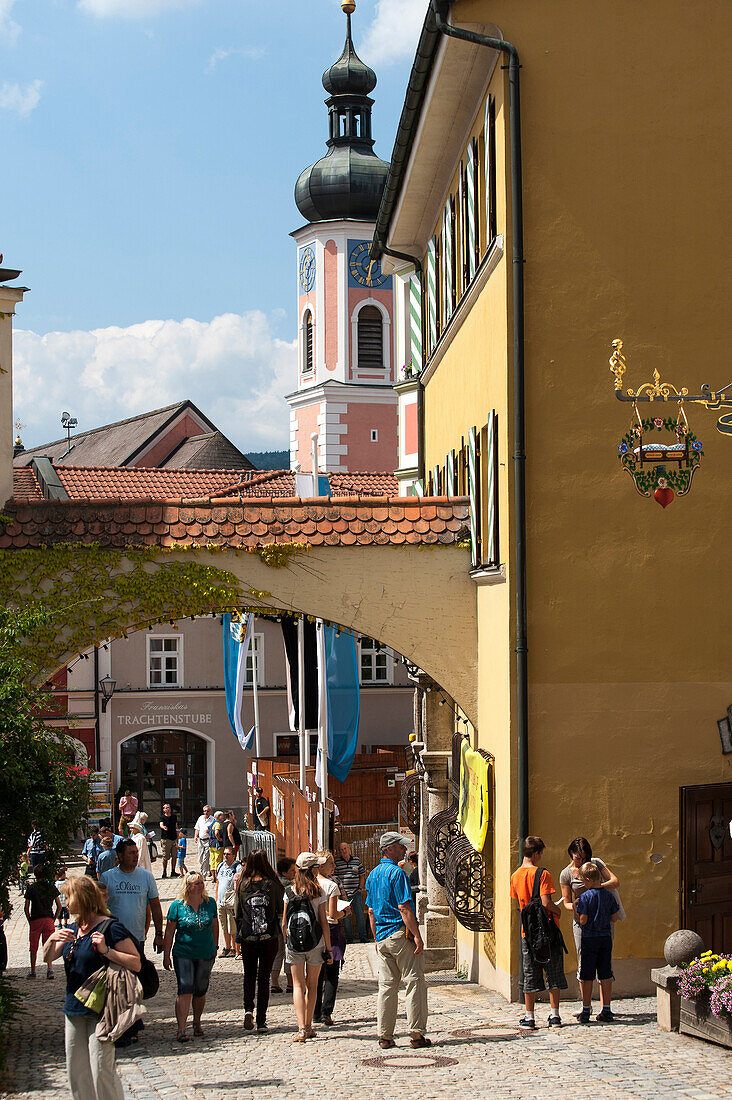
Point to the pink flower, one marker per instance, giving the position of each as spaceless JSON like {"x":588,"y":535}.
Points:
{"x":657,"y":422}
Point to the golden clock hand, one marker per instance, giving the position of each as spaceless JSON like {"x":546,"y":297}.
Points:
{"x":369,"y":271}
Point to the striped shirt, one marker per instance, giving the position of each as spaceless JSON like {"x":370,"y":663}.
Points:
{"x":387,"y":887}
{"x":348,"y":874}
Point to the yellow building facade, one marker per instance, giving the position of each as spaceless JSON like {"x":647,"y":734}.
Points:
{"x":625,"y":164}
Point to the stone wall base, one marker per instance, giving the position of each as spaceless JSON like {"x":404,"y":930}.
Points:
{"x":438,"y":958}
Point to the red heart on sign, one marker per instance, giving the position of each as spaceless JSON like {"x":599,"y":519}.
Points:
{"x":664,"y":497}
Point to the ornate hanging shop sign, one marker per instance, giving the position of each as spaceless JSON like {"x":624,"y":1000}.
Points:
{"x":661,"y":453}
{"x":475,"y":795}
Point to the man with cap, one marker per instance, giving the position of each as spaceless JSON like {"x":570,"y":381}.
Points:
{"x":399,"y":944}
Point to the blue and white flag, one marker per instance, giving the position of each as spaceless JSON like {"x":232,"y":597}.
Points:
{"x":237,"y":638}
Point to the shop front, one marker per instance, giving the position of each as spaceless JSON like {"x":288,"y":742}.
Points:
{"x":166,"y":765}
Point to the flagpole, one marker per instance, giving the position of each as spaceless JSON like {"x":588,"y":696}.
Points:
{"x":255,"y":693}
{"x":304,"y":748}
{"x":323,"y":734}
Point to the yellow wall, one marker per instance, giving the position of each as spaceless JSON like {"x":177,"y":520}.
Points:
{"x":626,"y":170}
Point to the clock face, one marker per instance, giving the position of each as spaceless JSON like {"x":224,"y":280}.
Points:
{"x":307,"y":269}
{"x":363,"y":270}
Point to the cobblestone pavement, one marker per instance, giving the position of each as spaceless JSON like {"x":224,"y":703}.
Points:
{"x":476,"y":1045}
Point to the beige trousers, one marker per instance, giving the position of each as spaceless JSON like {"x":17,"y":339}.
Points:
{"x":396,"y":961}
{"x":90,"y":1063}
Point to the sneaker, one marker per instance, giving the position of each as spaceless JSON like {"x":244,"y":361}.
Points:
{"x":527,"y":1024}
{"x":317,"y":1019}
{"x":554,"y":1021}
{"x":50,"y":974}
{"x":584,"y":1015}
{"x":164,"y":875}
{"x":173,"y":875}
{"x":31,"y":974}
{"x":328,"y":1021}
{"x":605,"y":1016}
{"x":263,"y":1029}
{"x":249,"y":1021}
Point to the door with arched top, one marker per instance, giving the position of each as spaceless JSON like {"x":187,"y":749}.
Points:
{"x":166,"y":765}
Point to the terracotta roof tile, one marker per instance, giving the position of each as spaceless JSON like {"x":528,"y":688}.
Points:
{"x":321,"y":521}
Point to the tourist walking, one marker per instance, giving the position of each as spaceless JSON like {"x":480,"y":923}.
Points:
{"x":192,"y":937}
{"x":127,"y":811}
{"x":528,"y":882}
{"x":42,"y":906}
{"x":330,"y":971}
{"x":200,"y":831}
{"x":89,"y":1062}
{"x":91,"y":851}
{"x":36,"y":846}
{"x":225,"y":896}
{"x":233,"y":836}
{"x":216,"y":839}
{"x":138,"y":834}
{"x":258,"y":908}
{"x":307,"y":939}
{"x":597,"y":910}
{"x":286,"y":875}
{"x":107,"y":857}
{"x":130,"y":890}
{"x":412,"y":865}
{"x":351,"y":877}
{"x":60,"y":884}
{"x":169,"y":839}
{"x":261,"y":810}
{"x":399,"y":945}
{"x":572,"y":886}
{"x":182,"y":849}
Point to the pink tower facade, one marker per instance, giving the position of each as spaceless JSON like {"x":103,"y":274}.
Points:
{"x":345,"y":304}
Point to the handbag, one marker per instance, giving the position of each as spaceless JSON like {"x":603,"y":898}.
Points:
{"x":93,"y":992}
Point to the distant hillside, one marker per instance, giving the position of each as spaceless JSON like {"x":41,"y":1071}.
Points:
{"x":270,"y":460}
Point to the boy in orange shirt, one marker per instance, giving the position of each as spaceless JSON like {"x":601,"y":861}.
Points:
{"x":532,"y":972}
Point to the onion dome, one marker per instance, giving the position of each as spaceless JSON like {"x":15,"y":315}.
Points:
{"x":349,"y":180}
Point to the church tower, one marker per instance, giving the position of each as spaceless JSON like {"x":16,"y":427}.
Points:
{"x":345,"y":304}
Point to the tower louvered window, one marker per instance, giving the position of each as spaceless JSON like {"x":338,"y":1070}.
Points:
{"x":370,"y":338}
{"x":307,"y":343}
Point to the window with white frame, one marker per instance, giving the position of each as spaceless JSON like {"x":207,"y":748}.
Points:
{"x":164,"y":660}
{"x":257,"y":647}
{"x":377,"y":662}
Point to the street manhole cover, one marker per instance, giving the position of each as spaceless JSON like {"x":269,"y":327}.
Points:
{"x":410,"y":1061}
{"x":492,"y":1032}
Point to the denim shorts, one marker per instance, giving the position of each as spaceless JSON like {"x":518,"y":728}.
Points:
{"x":193,"y":975}
{"x":533,"y":973}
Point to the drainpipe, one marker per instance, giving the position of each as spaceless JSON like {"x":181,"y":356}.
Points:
{"x":417,"y":264}
{"x":440,"y":8}
{"x":97,"y":765}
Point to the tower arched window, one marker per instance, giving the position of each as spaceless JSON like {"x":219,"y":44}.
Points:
{"x":370,"y":338}
{"x":307,"y":343}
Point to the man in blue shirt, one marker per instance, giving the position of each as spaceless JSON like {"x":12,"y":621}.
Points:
{"x":399,"y":945}
{"x":91,"y":850}
{"x":130,"y":889}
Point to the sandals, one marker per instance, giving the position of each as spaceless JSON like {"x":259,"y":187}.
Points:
{"x":301,"y":1036}
{"x":310,"y":1034}
{"x":181,"y":1037}
{"x":198,"y":1031}
{"x":420,"y":1041}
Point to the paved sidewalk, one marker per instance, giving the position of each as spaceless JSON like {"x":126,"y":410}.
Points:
{"x":477,"y":1047}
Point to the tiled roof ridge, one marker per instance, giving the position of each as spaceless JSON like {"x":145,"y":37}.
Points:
{"x":339,"y":501}
{"x":173,"y":471}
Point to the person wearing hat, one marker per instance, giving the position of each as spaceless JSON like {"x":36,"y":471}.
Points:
{"x":305,"y":920}
{"x":399,"y":944}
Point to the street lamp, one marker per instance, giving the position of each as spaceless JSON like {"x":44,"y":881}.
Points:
{"x":107,"y":686}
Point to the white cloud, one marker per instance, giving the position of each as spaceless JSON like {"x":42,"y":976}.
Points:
{"x":132,"y":9}
{"x":394,"y":31}
{"x":252,"y":53}
{"x":9,"y":29}
{"x":232,"y":367}
{"x":13,"y":97}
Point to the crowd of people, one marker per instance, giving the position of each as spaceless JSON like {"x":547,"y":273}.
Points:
{"x":298,"y":917}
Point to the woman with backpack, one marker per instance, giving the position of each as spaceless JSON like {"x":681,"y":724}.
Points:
{"x":258,"y":908}
{"x":86,"y":945}
{"x":307,"y":939}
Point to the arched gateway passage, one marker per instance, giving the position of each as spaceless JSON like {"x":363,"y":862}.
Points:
{"x":395,"y":569}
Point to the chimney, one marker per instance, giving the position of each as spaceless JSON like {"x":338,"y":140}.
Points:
{"x":9,"y":298}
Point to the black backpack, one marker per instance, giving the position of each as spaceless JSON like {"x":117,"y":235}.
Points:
{"x":540,"y":930}
{"x":147,"y":974}
{"x":257,"y":912}
{"x":303,"y":928}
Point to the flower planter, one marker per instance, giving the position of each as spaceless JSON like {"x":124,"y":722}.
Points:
{"x":697,"y":1019}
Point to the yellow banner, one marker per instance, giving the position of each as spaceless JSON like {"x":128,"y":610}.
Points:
{"x":475,"y":795}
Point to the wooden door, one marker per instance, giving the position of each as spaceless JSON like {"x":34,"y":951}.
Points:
{"x":706,"y":871}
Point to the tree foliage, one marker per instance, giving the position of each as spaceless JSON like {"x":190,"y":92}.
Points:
{"x":39,"y":781}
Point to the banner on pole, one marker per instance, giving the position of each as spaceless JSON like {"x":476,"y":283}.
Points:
{"x":474,"y":808}
{"x":340,"y":698}
{"x":237,"y":638}
{"x":289,"y":637}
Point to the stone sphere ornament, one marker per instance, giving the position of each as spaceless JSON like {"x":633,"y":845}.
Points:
{"x":682,"y":946}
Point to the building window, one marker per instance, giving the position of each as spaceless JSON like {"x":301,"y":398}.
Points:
{"x":374,"y":435}
{"x":377,"y":663}
{"x":258,"y":647}
{"x":370,"y":338}
{"x":164,"y":661}
{"x":307,"y":343}
{"x":288,"y":744}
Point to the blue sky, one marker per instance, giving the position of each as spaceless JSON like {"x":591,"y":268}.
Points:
{"x":150,"y":150}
